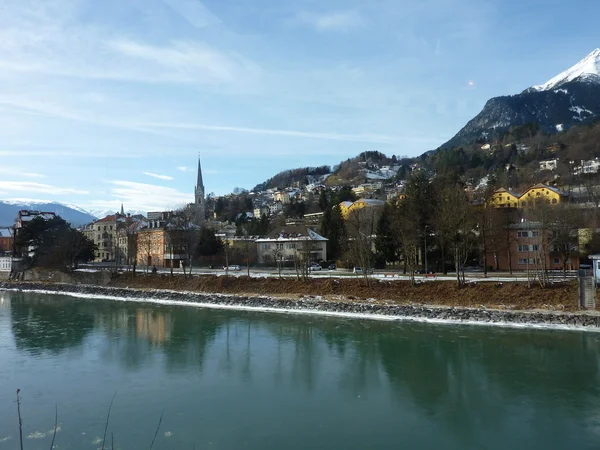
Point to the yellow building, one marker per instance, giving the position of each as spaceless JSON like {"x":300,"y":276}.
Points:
{"x":503,"y":198}
{"x":535,"y":195}
{"x":347,"y":207}
{"x":541,"y":193}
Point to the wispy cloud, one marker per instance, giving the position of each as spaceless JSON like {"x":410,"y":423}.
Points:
{"x":37,"y":37}
{"x":336,"y":21}
{"x":194,"y":12}
{"x":13,"y":171}
{"x":38,"y":188}
{"x":186,"y":169}
{"x":373,"y":138}
{"x":180,"y":61}
{"x":142,"y":196}
{"x":160,"y":177}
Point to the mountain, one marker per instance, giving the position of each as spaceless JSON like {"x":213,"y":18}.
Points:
{"x":71,"y":213}
{"x":568,"y":99}
{"x":587,"y":69}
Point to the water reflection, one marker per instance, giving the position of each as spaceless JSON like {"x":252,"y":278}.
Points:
{"x":460,"y":378}
{"x":40,"y":325}
{"x":153,"y":325}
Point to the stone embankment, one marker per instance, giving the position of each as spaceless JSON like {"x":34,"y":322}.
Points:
{"x":589,"y":320}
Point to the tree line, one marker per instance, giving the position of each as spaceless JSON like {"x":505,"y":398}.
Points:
{"x":439,"y":226}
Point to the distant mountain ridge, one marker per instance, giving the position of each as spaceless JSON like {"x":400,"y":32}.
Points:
{"x":570,"y":98}
{"x":71,"y":213}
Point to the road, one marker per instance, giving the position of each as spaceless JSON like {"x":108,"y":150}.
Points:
{"x":344,"y":273}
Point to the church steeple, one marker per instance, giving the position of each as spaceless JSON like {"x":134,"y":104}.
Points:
{"x":199,"y":192}
{"x":122,"y":210}
{"x":199,"y":197}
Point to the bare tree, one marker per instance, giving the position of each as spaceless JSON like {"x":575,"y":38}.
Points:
{"x":360,"y":225}
{"x":144,"y":245}
{"x":563,"y":228}
{"x":183,"y":235}
{"x":407,"y":234}
{"x":455,"y":219}
{"x":277,"y":255}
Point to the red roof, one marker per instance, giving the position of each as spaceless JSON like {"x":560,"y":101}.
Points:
{"x":111,"y":218}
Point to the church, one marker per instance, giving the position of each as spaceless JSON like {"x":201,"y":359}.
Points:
{"x":199,"y":200}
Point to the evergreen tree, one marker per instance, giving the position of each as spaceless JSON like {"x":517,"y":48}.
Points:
{"x":323,"y":200}
{"x":208,"y":243}
{"x":53,"y":243}
{"x":332,"y":227}
{"x":386,"y":245}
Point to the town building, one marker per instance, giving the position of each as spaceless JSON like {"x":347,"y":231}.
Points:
{"x":260,"y":211}
{"x":528,"y":247}
{"x":288,"y":243}
{"x":551,"y":164}
{"x":6,"y":241}
{"x":103,"y":233}
{"x":534,"y":196}
{"x":587,"y":167}
{"x":504,"y":198}
{"x":6,"y":263}
{"x":282,"y":197}
{"x":346,"y":208}
{"x":152,"y":248}
{"x":542,"y":193}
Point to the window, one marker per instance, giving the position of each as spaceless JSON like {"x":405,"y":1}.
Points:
{"x":556,"y":261}
{"x":525,"y":261}
{"x":529,"y":248}
{"x":528,"y":234}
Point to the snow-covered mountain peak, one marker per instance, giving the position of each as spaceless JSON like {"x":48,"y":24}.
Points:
{"x":590,"y":65}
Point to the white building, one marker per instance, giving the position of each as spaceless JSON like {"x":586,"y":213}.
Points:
{"x":261,"y":211}
{"x":551,"y":164}
{"x":5,"y":263}
{"x":589,"y":166}
{"x":286,"y":244}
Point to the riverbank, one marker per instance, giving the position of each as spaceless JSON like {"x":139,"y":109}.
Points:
{"x":162,"y":290}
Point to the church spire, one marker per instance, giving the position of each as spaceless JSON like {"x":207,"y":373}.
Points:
{"x":199,"y":196}
{"x":199,"y":183}
{"x":122,"y":210}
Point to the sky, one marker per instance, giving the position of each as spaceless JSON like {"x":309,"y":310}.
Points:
{"x":109,"y":102}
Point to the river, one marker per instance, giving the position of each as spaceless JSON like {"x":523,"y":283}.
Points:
{"x":225,"y":379}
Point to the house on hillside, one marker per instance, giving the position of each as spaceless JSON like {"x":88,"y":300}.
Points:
{"x":260,"y":211}
{"x":589,"y":166}
{"x":504,"y":198}
{"x":550,"y":164}
{"x":542,"y":193}
{"x":285,"y":244}
{"x":282,"y":197}
{"x":534,"y":196}
{"x":344,"y":208}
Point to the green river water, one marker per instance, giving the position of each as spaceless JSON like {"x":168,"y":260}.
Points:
{"x":227,"y":379}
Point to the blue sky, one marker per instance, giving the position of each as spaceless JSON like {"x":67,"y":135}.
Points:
{"x":109,"y":102}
